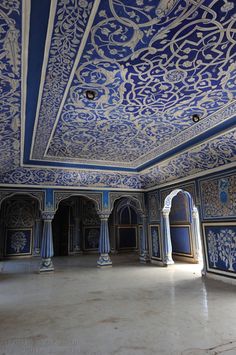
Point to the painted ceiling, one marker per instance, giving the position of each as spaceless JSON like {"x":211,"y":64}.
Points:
{"x":152,"y":65}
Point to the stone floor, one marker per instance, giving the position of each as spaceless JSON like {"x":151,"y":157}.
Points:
{"x":130,"y":309}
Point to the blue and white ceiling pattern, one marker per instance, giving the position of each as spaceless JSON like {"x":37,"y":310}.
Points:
{"x":152,"y":67}
{"x":10,"y":84}
{"x":153,"y":64}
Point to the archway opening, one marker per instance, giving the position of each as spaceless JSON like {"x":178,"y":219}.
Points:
{"x":20,"y":227}
{"x":76,"y":227}
{"x":182,"y":229}
{"x":125,"y":227}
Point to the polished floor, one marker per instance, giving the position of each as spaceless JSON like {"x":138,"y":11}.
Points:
{"x":130,"y":309}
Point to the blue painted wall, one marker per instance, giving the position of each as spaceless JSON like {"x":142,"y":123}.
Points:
{"x":180,"y":238}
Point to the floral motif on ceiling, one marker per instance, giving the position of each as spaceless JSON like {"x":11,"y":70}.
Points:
{"x":152,"y":65}
{"x":114,"y":81}
{"x":10,"y":84}
{"x":212,"y":154}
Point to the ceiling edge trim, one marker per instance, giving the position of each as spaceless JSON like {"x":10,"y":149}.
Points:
{"x":193,"y":177}
{"x":26,"y":7}
{"x":147,"y":170}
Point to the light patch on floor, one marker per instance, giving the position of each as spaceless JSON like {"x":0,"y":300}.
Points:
{"x":130,"y":309}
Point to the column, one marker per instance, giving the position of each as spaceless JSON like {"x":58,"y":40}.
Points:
{"x":167,"y":246}
{"x":144,"y":254}
{"x":196,"y":235}
{"x":47,"y":243}
{"x":104,"y":243}
{"x":37,"y":236}
{"x":76,"y":236}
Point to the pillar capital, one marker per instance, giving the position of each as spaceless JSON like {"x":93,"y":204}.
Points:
{"x":194,"y":212}
{"x":104,"y":215}
{"x":47,"y":215}
{"x":165,"y":212}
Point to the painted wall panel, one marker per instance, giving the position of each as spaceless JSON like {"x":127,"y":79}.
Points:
{"x":218,"y":197}
{"x":91,"y":238}
{"x":18,"y":242}
{"x":155,"y":242}
{"x":220,"y":243}
{"x":153,"y":207}
{"x":181,"y":240}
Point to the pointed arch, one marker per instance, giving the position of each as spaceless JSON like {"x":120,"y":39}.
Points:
{"x":195,"y":226}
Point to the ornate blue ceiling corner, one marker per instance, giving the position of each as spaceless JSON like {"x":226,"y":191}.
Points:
{"x":69,"y":178}
{"x":152,"y":64}
{"x":212,"y":154}
{"x":10,"y":84}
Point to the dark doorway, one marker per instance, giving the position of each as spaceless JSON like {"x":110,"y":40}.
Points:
{"x":60,"y":230}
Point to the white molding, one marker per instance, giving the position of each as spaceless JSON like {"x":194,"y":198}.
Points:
{"x":78,"y":170}
{"x":104,"y":163}
{"x":26,"y":8}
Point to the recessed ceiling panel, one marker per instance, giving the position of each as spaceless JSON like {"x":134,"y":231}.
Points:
{"x":152,"y":65}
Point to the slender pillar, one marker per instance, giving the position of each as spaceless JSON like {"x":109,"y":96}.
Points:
{"x":196,"y":235}
{"x":167,"y":246}
{"x":37,"y":236}
{"x":104,"y":243}
{"x":144,"y":254}
{"x":47,"y":243}
{"x":76,"y":237}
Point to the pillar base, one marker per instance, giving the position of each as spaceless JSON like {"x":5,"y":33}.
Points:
{"x":168,"y":260}
{"x":144,"y":258}
{"x":46,"y":265}
{"x":104,"y":261}
{"x":36,"y":252}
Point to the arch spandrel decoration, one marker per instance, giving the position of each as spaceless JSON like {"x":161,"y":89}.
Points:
{"x":190,"y":188}
{"x":153,"y":207}
{"x":38,"y":195}
{"x":62,"y":195}
{"x":169,"y":198}
{"x":137,"y":198}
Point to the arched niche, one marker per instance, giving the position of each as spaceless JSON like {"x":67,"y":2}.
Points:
{"x":60,"y":196}
{"x":20,"y":224}
{"x":137,"y":200}
{"x":124,"y":224}
{"x":76,"y":225}
{"x":180,"y":228}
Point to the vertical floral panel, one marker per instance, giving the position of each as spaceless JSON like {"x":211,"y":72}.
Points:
{"x":221,"y":246}
{"x":155,"y":241}
{"x":18,"y":242}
